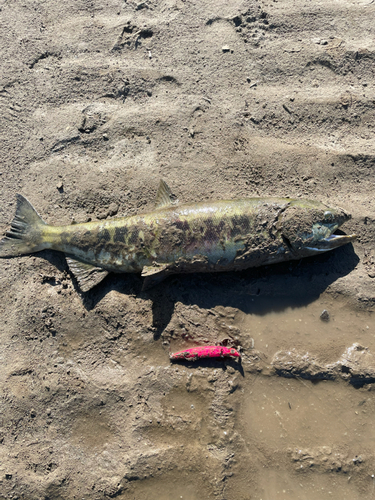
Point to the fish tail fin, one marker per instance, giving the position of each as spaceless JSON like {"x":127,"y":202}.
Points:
{"x":26,"y":232}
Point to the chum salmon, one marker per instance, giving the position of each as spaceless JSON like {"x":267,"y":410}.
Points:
{"x":209,"y":236}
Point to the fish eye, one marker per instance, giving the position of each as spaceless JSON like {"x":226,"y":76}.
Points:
{"x":328,"y":215}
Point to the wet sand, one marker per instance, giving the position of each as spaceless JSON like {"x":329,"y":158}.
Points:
{"x":99,"y":101}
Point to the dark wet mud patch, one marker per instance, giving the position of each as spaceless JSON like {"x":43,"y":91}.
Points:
{"x":311,"y":440}
{"x":187,"y":484}
{"x":303,"y":328}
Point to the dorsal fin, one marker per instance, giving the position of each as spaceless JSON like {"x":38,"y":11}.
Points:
{"x":87,"y":275}
{"x":164,"y":195}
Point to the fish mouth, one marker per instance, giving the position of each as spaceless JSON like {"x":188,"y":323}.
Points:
{"x":332,"y":241}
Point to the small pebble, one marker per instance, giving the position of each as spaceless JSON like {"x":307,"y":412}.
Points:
{"x":112,"y":209}
{"x":325,"y":315}
{"x":225,"y":48}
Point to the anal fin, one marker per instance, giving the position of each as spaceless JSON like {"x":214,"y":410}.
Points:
{"x":87,"y":275}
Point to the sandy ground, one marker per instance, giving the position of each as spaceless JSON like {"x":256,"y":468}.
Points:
{"x":222,"y":99}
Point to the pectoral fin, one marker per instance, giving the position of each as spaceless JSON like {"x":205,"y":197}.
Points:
{"x":154,"y":274}
{"x":87,"y":275}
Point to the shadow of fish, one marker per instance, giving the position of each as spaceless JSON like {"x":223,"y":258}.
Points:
{"x":198,"y":237}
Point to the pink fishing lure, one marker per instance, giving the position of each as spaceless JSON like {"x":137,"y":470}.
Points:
{"x":212,"y":351}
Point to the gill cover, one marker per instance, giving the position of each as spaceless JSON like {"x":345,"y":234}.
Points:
{"x":308,"y":226}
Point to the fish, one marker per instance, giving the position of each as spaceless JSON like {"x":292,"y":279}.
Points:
{"x":195,"y":353}
{"x":208,"y":236}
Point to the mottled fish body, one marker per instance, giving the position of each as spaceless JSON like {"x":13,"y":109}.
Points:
{"x":200,"y":237}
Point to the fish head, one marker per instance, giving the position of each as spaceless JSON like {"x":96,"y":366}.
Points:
{"x":308,"y":227}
